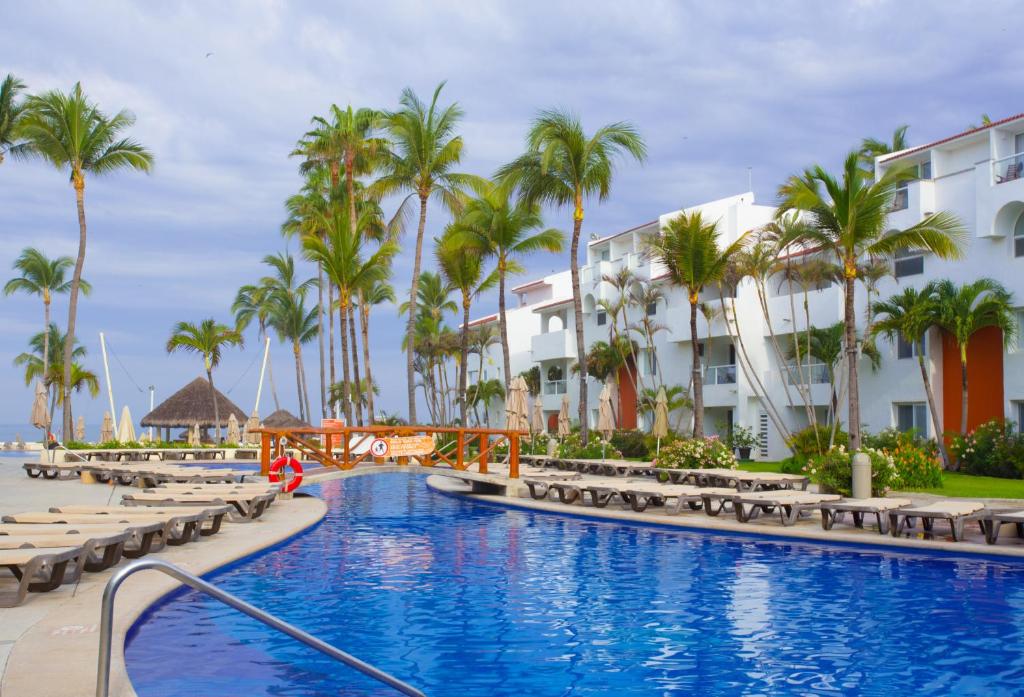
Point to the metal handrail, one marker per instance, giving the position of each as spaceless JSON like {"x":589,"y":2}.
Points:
{"x":107,"y":624}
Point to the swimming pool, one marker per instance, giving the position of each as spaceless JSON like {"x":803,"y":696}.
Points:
{"x":465,"y":599}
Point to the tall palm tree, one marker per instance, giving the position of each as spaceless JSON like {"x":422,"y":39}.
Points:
{"x":565,"y":167}
{"x":870,"y":148}
{"x":688,"y":248}
{"x":963,"y":311}
{"x":208,"y":339}
{"x":463,"y":267}
{"x":293,"y":323}
{"x":908,"y":316}
{"x":425,"y":150}
{"x":508,"y":231}
{"x":33,"y":361}
{"x":11,"y":111}
{"x":43,"y":276}
{"x":374,"y":293}
{"x":256,"y":301}
{"x":70,"y":132}
{"x":848,"y":221}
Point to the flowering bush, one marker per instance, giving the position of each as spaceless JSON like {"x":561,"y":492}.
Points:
{"x":572,"y":447}
{"x":696,"y":453}
{"x":992,"y":449}
{"x":833,"y":471}
{"x":917,"y":467}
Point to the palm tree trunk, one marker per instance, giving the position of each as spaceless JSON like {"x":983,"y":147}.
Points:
{"x":298,"y":377}
{"x":850,"y":319}
{"x":216,"y":407}
{"x":357,"y":387}
{"x":76,"y":281}
{"x":697,"y":379}
{"x":46,"y":363}
{"x":346,"y":405}
{"x":305,"y":385}
{"x":503,"y":322}
{"x":410,"y":373}
{"x":936,"y":424}
{"x":329,"y":410}
{"x":464,"y":358}
{"x":364,"y":317}
{"x":577,"y":306}
{"x":320,"y":335}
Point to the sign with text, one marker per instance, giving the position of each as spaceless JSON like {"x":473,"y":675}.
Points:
{"x":406,"y":446}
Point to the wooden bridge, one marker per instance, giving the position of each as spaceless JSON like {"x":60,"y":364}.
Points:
{"x":346,"y":447}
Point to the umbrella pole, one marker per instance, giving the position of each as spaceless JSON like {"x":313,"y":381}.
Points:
{"x":110,"y":388}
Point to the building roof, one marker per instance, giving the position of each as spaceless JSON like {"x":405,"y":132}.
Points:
{"x":941,"y":141}
{"x":282,"y":418}
{"x":548,"y":306}
{"x":624,"y":232}
{"x":483,"y":320}
{"x":193,"y":404}
{"x":539,"y":283}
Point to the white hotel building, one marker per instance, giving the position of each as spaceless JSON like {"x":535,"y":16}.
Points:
{"x":977,"y":175}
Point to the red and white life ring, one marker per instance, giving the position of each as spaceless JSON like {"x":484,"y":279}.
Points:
{"x":276,"y":475}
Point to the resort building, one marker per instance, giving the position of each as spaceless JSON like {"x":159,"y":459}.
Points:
{"x":975,"y":175}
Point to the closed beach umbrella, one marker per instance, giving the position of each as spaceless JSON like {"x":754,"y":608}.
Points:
{"x":193,"y":435}
{"x":80,"y":429}
{"x":233,"y":435}
{"x":660,"y":428}
{"x":107,"y":429}
{"x":537,"y":420}
{"x":564,"y":425}
{"x":515,"y":406}
{"x":125,"y":427}
{"x":40,"y":419}
{"x":251,"y":425}
{"x":605,"y":418}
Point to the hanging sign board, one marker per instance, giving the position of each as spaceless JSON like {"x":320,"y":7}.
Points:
{"x":406,"y":446}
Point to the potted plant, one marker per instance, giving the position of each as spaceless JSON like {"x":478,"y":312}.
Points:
{"x":743,"y":441}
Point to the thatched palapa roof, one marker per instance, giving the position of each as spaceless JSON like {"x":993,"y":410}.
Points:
{"x":284,"y":419}
{"x":192,"y":404}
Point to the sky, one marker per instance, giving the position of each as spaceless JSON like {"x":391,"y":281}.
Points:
{"x":723,"y":93}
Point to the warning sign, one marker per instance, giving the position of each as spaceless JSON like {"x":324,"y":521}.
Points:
{"x":405,"y":446}
{"x":379,"y":448}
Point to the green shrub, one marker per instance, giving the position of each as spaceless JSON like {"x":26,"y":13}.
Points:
{"x":696,"y":453}
{"x":793,"y":465}
{"x":992,"y":450}
{"x":833,"y":471}
{"x":917,"y":466}
{"x":631,"y":443}
{"x":572,"y":448}
{"x":889,"y":439}
{"x":814,"y":440}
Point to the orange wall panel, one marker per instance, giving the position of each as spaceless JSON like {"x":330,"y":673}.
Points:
{"x":984,"y":380}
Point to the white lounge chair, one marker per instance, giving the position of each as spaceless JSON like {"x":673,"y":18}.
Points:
{"x":832,"y":512}
{"x":956,"y":512}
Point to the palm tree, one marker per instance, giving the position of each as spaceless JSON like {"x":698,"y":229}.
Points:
{"x":71,"y":133}
{"x":909,"y":315}
{"x":256,"y":301}
{"x":293,"y":323}
{"x":485,"y":392}
{"x":208,"y":339}
{"x":963,"y":311}
{"x":33,"y":361}
{"x":11,"y":111}
{"x":425,"y":151}
{"x":688,"y":247}
{"x":374,"y":293}
{"x":848,"y":222}
{"x":676,"y":399}
{"x":504,"y":230}
{"x":463,"y":268}
{"x":870,"y":148}
{"x":43,"y":276}
{"x":565,"y":167}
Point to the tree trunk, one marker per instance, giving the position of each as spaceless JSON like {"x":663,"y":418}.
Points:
{"x":364,"y":317}
{"x":697,"y":379}
{"x":357,"y":385}
{"x":46,"y":363}
{"x":76,"y":282}
{"x":216,"y":407}
{"x":410,"y":373}
{"x":298,"y":377}
{"x":850,"y":319}
{"x":503,"y":322}
{"x":320,"y":334}
{"x":346,"y":385}
{"x":936,"y":424}
{"x":329,"y":411}
{"x":463,"y":358}
{"x":577,"y":306}
{"x":305,"y":386}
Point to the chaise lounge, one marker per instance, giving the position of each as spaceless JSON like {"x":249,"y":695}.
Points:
{"x":832,"y":512}
{"x":37,"y":570}
{"x":957,"y":513}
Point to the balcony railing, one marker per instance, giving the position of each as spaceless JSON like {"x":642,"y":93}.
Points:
{"x":720,"y":375}
{"x":812,"y":374}
{"x":555,"y":387}
{"x":1008,"y":169}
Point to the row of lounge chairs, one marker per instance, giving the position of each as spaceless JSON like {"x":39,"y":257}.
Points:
{"x":129,"y":473}
{"x":138,"y":454}
{"x":46,"y":549}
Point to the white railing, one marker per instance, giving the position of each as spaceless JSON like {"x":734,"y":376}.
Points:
{"x":720,"y":375}
{"x":810,"y":373}
{"x":555,"y":387}
{"x":1008,"y":169}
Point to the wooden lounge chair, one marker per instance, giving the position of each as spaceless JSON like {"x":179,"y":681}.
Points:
{"x":177,"y":530}
{"x":640,"y":496}
{"x":100,"y":550}
{"x":143,"y":537}
{"x":210,"y":517}
{"x":956,"y":512}
{"x":992,"y":522}
{"x":789,"y":504}
{"x":37,"y":570}
{"x":832,"y":512}
{"x":248,"y":506}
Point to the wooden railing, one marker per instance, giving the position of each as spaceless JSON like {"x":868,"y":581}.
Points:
{"x":460,"y":449}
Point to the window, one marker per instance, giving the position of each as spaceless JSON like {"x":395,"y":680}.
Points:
{"x":901,"y":200}
{"x":926,"y":169}
{"x":1019,"y":317}
{"x":732,"y":354}
{"x":762,"y":433}
{"x":472,"y":377}
{"x":651,"y":362}
{"x":1019,"y":408}
{"x":908,"y":263}
{"x":700,"y":349}
{"x":602,"y":318}
{"x":912,"y":416}
{"x":605,"y":254}
{"x":906,"y":349}
{"x":1018,"y":237}
{"x":652,"y":308}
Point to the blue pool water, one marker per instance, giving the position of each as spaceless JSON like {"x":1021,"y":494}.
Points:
{"x":466,"y":600}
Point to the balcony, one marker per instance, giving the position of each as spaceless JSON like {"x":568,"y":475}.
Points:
{"x":720,"y":375}
{"x":553,"y":346}
{"x":811,"y":379}
{"x":911,"y":203}
{"x":677,"y":319}
{"x":825,"y":308}
{"x":1007,"y":169}
{"x":556,"y":387}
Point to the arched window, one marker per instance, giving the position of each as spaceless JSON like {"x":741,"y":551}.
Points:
{"x":1018,"y":236}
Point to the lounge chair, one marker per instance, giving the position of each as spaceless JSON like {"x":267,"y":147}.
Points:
{"x":177,"y":530}
{"x":602,"y":489}
{"x":210,"y":517}
{"x":790,"y":504}
{"x":53,"y":470}
{"x":832,"y":512}
{"x":540,"y":485}
{"x":37,"y":570}
{"x":143,"y":537}
{"x":992,"y":521}
{"x":640,"y":496}
{"x":100,"y":550}
{"x":248,"y":506}
{"x":956,"y":512}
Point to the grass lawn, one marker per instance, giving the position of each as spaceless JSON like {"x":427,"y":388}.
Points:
{"x":759,"y":466}
{"x":971,"y":486}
